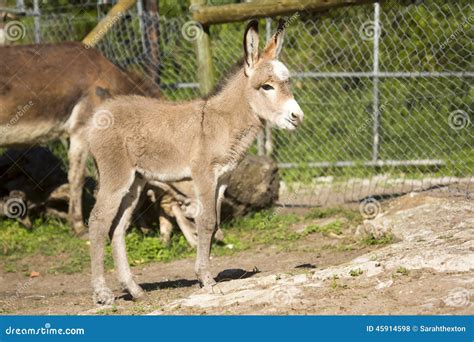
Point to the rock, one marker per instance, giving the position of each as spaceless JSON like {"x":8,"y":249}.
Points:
{"x":435,"y":234}
{"x":376,"y":229}
{"x":276,"y":290}
{"x":383,"y":284}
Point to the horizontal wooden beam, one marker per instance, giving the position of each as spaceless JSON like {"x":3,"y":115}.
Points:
{"x":114,"y":15}
{"x":264,"y":8}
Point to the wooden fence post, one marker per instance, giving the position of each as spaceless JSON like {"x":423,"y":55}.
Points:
{"x":151,"y":27}
{"x":204,"y":56}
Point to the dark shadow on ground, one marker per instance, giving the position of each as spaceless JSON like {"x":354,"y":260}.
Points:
{"x":226,"y":275}
{"x":235,"y":273}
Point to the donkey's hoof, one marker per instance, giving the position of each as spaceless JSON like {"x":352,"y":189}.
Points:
{"x":138,"y":294}
{"x":206,"y":281}
{"x":140,"y":298}
{"x":80,"y":229}
{"x":103,"y":296}
{"x":215,"y":288}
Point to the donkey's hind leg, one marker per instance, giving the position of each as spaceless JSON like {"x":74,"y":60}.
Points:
{"x":127,"y":207}
{"x":77,"y":170}
{"x":113,"y":188}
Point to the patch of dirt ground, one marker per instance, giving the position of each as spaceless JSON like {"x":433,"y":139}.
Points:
{"x":428,"y":269}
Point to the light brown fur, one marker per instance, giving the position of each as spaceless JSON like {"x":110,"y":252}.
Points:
{"x":201,"y":140}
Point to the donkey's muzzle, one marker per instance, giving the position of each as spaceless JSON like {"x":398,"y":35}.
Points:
{"x":296,"y":117}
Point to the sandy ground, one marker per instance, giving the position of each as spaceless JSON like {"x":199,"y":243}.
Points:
{"x":164,"y":282}
{"x":307,"y":278}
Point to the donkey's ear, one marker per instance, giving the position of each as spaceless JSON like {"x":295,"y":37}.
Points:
{"x":251,"y":46}
{"x":273,"y":48}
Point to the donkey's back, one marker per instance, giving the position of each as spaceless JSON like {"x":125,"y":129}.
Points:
{"x":135,"y":128}
{"x":41,"y":85}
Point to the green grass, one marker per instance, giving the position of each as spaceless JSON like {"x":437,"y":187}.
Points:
{"x":356,"y":272}
{"x":333,"y":227}
{"x":47,"y":239}
{"x":402,"y":271}
{"x":321,"y":213}
{"x":383,"y":240}
{"x":53,"y":238}
{"x":335,"y":285}
{"x":68,"y":254}
{"x":262,"y":228}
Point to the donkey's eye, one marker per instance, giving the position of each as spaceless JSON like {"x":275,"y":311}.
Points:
{"x":267,"y":87}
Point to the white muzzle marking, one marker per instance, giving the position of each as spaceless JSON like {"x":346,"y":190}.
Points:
{"x":291,"y":115}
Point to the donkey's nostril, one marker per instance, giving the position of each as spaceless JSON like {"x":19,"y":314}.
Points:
{"x":294,"y":116}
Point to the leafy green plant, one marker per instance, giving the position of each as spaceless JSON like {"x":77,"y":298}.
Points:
{"x":402,"y":271}
{"x":356,"y":272}
{"x":384,"y":240}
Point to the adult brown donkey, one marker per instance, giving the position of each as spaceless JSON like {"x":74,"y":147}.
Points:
{"x":49,"y":91}
{"x":202,"y":140}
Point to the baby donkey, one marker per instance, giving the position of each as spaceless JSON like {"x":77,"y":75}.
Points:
{"x":201,"y":140}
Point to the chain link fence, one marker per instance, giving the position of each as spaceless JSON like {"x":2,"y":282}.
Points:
{"x":386,"y":89}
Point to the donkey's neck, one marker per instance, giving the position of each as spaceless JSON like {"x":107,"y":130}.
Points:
{"x":232,"y":105}
{"x":232,"y":100}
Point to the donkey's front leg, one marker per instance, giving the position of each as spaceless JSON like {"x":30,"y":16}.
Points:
{"x":219,"y":234}
{"x":206,"y":224}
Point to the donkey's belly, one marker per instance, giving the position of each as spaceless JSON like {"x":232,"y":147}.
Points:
{"x":159,"y":160}
{"x":31,"y":133}
{"x":166,"y":174}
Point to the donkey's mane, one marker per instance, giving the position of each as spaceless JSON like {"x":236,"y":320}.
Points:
{"x":234,"y":69}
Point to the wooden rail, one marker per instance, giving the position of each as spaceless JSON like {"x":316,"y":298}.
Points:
{"x":114,"y":15}
{"x":218,"y":14}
